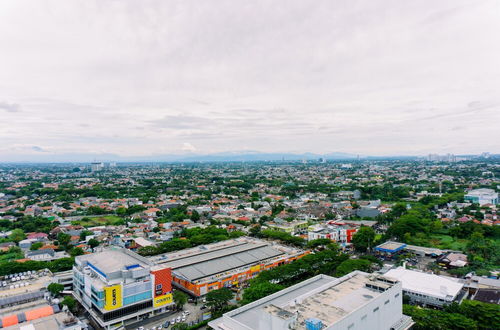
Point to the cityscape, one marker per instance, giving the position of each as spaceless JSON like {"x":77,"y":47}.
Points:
{"x":235,"y":165}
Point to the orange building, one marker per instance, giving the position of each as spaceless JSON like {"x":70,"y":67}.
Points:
{"x":225,"y":264}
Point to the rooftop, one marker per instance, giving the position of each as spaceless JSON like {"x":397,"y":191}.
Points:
{"x":208,"y":260}
{"x":321,"y":297}
{"x":113,"y":260}
{"x":429,"y":284}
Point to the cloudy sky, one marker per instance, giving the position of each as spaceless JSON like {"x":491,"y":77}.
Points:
{"x":137,"y":78}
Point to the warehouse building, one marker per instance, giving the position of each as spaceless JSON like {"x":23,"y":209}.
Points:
{"x":117,"y":286}
{"x":225,"y":264}
{"x":356,"y":301}
{"x":428,"y":289}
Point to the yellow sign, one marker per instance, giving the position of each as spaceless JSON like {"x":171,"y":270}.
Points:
{"x":255,"y":268}
{"x":163,"y":300}
{"x":112,"y":297}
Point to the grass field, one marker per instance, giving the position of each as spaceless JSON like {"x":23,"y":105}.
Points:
{"x":108,"y":220}
{"x":447,"y":242}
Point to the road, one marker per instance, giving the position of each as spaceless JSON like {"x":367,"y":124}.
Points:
{"x":193,"y":318}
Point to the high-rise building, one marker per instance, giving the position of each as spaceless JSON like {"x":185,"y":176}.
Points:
{"x":117,"y":286}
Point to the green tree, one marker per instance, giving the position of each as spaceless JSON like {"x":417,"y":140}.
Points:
{"x":180,"y":326}
{"x":63,"y":239}
{"x":217,"y":299}
{"x":55,"y":288}
{"x":180,"y":298}
{"x":260,"y":290}
{"x":195,"y":216}
{"x":36,"y":246}
{"x":351,"y":265}
{"x":315,"y":243}
{"x":363,"y":239}
{"x":70,"y":302}
{"x":76,"y":251}
{"x":84,"y":234}
{"x":93,"y":243}
{"x":17,"y":235}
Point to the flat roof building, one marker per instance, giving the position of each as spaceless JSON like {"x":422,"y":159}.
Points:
{"x":355,"y":301}
{"x":209,"y":267}
{"x":482,"y":196}
{"x":117,"y":286}
{"x":427,"y":289}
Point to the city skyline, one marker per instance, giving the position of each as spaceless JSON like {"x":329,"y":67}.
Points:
{"x":179,"y":78}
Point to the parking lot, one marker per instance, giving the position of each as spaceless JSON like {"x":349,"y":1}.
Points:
{"x":191,"y":314}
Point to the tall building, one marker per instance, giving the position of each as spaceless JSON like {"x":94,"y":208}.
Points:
{"x":356,"y":301}
{"x":96,"y":166}
{"x":117,"y":286}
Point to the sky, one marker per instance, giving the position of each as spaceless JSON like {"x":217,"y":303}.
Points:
{"x":142,"y":78}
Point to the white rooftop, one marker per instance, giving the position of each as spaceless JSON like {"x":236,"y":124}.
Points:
{"x":424,"y":283}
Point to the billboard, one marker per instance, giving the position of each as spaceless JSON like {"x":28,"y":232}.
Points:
{"x":163,"y":300}
{"x":162,"y":287}
{"x":112,"y":297}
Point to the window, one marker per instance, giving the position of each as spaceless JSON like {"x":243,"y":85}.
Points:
{"x":363,"y":317}
{"x":375,"y":310}
{"x":350,"y":326}
{"x":386,"y":302}
{"x":159,"y":287}
{"x":397,"y":295}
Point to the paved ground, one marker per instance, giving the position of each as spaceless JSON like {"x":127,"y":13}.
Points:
{"x":193,"y":318}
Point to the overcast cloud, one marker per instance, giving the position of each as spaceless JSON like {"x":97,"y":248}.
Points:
{"x":156,"y":77}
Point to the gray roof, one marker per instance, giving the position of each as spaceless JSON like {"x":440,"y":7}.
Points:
{"x":109,"y":261}
{"x":21,"y":298}
{"x":214,"y":262}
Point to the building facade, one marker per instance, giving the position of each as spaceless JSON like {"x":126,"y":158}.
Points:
{"x":482,"y":196}
{"x":117,"y":286}
{"x":356,"y":301}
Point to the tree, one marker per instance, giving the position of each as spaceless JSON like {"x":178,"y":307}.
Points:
{"x":76,"y":251}
{"x":180,"y":326}
{"x":195,"y":216}
{"x":363,"y":239}
{"x":350,"y":265}
{"x":260,"y":290}
{"x":36,"y":246}
{"x":17,"y":235}
{"x":84,"y":234}
{"x":93,"y":243}
{"x":180,"y":298}
{"x":318,"y":242}
{"x":63,"y":239}
{"x":55,"y":288}
{"x":70,"y":302}
{"x":217,"y":299}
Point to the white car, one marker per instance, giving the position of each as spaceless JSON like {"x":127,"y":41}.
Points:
{"x":173,"y":321}
{"x":178,"y":319}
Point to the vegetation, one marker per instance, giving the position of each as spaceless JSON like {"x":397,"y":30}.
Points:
{"x":55,"y":288}
{"x":180,"y":298}
{"x":217,"y":299}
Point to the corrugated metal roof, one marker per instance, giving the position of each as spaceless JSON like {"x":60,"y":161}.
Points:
{"x":200,"y":268}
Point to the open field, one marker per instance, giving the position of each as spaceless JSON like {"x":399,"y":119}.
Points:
{"x":108,"y":220}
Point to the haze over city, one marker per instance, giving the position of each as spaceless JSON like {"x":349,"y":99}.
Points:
{"x":82,"y":79}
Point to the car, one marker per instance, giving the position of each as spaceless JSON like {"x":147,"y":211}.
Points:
{"x":183,"y":319}
{"x":159,"y":327}
{"x":203,"y":307}
{"x":173,"y":321}
{"x":187,"y":312}
{"x":140,"y":328}
{"x":166,"y":324}
{"x":178,"y":319}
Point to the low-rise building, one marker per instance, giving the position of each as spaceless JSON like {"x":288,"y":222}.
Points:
{"x":428,"y":289}
{"x":356,"y":301}
{"x":210,"y":267}
{"x":482,"y":196}
{"x":117,"y":286}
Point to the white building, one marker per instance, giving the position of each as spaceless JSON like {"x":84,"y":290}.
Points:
{"x":357,"y":301}
{"x":427,"y":289}
{"x":482,"y":196}
{"x":117,"y":286}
